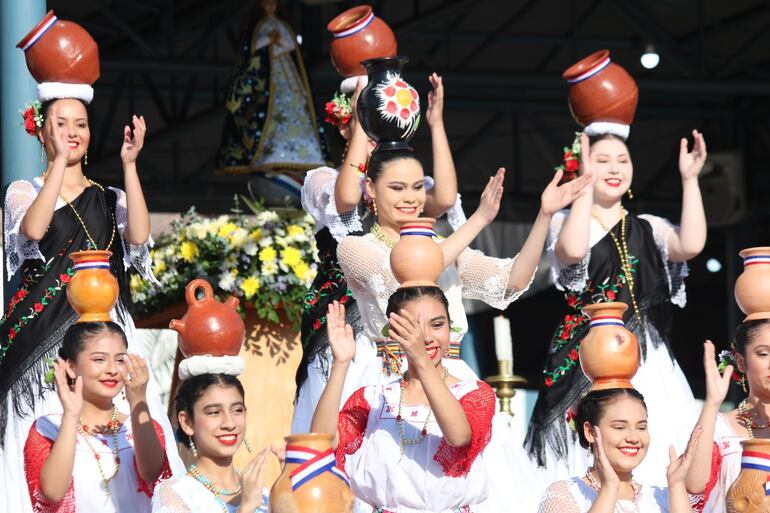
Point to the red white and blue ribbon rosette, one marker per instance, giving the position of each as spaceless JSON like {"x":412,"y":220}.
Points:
{"x":311,"y":463}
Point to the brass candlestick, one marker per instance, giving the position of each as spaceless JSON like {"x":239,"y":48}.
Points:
{"x":505,"y":384}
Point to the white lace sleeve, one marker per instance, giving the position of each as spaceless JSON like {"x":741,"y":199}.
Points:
{"x":18,"y":248}
{"x":558,"y":498}
{"x":366,"y":266}
{"x":573,"y":277}
{"x":486,"y":278}
{"x":166,"y":500}
{"x":676,"y":272}
{"x":318,"y":201}
{"x":136,"y":255}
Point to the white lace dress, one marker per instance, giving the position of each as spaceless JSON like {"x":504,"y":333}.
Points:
{"x":575,"y":496}
{"x":19,"y":250}
{"x":185,"y":494}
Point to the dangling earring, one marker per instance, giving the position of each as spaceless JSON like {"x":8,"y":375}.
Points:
{"x":630,"y":194}
{"x":590,"y":450}
{"x":85,"y":158}
{"x":193,"y":448}
{"x":42,"y":153}
{"x":744,"y":386}
{"x":374,"y":206}
{"x":248,"y":446}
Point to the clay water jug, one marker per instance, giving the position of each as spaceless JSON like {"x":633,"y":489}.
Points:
{"x":209,"y":327}
{"x":310,"y":481}
{"x":416,"y":259}
{"x":388,"y":107}
{"x":359,"y":35}
{"x":752,"y":288}
{"x":600,"y":90}
{"x":93,"y":289}
{"x":748,"y":493}
{"x":60,"y":51}
{"x":609,"y":353}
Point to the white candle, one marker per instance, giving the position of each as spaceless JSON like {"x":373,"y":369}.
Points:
{"x":503,"y":341}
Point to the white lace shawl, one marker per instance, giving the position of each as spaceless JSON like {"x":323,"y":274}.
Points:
{"x":575,"y":276}
{"x":18,"y":248}
{"x":574,"y":496}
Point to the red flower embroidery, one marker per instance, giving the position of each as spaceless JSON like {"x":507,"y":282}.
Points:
{"x":38,"y":307}
{"x":344,"y":299}
{"x":548,"y":381}
{"x":317,"y":324}
{"x":65,"y":278}
{"x":571,"y":301}
{"x":565,"y":334}
{"x":21,"y":294}
{"x":573,"y":355}
{"x":610,"y":294}
{"x":12,"y":334}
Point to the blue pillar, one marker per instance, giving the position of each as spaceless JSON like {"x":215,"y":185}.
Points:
{"x":20,"y":152}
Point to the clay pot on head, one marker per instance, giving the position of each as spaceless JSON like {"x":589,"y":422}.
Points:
{"x":61,"y":51}
{"x":325,"y":492}
{"x":388,"y":107}
{"x":93,"y":290}
{"x":416,"y":260}
{"x":600,"y":90}
{"x":609,"y":353}
{"x":747,"y":493}
{"x":752,"y":288}
{"x":358,"y":36}
{"x":209,"y":327}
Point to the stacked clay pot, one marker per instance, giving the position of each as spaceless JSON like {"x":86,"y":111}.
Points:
{"x":747,"y":493}
{"x":752,"y":288}
{"x":60,"y":51}
{"x":600,"y":90}
{"x":93,"y":289}
{"x":209,"y":327}
{"x":296,"y":491}
{"x":609,"y":353}
{"x":358,"y":36}
{"x":416,"y":260}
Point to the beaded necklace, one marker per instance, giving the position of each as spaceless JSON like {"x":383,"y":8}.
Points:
{"x":597,"y":486}
{"x":217,"y":492}
{"x":378,"y":233}
{"x":91,"y":241}
{"x":403,"y":440}
{"x":625,"y":260}
{"x":744,"y":417}
{"x":114,"y":426}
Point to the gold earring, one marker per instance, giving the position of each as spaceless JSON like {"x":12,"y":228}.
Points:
{"x":85,"y":158}
{"x":42,"y":153}
{"x":248,"y":446}
{"x":374,"y":205}
{"x":193,"y":448}
{"x":744,"y":385}
{"x":630,"y":194}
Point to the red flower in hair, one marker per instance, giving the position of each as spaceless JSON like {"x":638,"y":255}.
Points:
{"x":571,"y":165}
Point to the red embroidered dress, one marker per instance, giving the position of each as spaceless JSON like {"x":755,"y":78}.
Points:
{"x":432,"y":476}
{"x":128,"y":491}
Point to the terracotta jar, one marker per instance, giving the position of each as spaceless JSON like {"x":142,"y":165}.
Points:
{"x":93,"y":290}
{"x":388,"y":107}
{"x":609,"y":353}
{"x":752,"y":286}
{"x":600,"y":90}
{"x":61,"y":51}
{"x":747,"y":493}
{"x":209,"y":327}
{"x":416,"y":259}
{"x":359,"y":35}
{"x":324,"y":492}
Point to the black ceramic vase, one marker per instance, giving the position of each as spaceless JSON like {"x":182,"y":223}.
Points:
{"x":388,"y":107}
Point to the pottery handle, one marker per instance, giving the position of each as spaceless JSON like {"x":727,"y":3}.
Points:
{"x":192,"y":288}
{"x":232,"y":302}
{"x":176,"y":325}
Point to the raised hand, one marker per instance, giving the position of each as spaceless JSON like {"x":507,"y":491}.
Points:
{"x":410,"y":334}
{"x":340,"y":334}
{"x":252,"y":479}
{"x":57,"y":134}
{"x":607,"y":475}
{"x":71,"y":396}
{"x":678,"y":467}
{"x":434,"y":114}
{"x":133,"y":142}
{"x":717,"y":385}
{"x":691,"y":163}
{"x":135,"y":375}
{"x":489,"y":204}
{"x":556,"y":197}
{"x":585,"y":155}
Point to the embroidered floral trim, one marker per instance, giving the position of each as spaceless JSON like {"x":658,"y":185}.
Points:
{"x":326,"y":289}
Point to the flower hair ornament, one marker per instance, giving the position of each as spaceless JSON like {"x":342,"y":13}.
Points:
{"x":570,"y":161}
{"x":728,"y":357}
{"x":339,"y":112}
{"x":32,"y":117}
{"x":570,"y":419}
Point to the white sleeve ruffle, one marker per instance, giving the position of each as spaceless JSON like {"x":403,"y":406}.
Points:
{"x":18,"y":248}
{"x":486,"y":278}
{"x":318,"y":200}
{"x":573,"y":277}
{"x":676,"y":272}
{"x":136,"y":255}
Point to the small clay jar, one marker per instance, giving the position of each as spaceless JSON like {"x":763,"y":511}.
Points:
{"x":609,"y":353}
{"x":600,"y":90}
{"x":60,"y":51}
{"x":93,"y":289}
{"x":359,"y":35}
{"x":388,"y":107}
{"x":209,"y":327}
{"x":752,"y":286}
{"x":416,"y":260}
{"x":747,"y":493}
{"x":324,"y":492}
